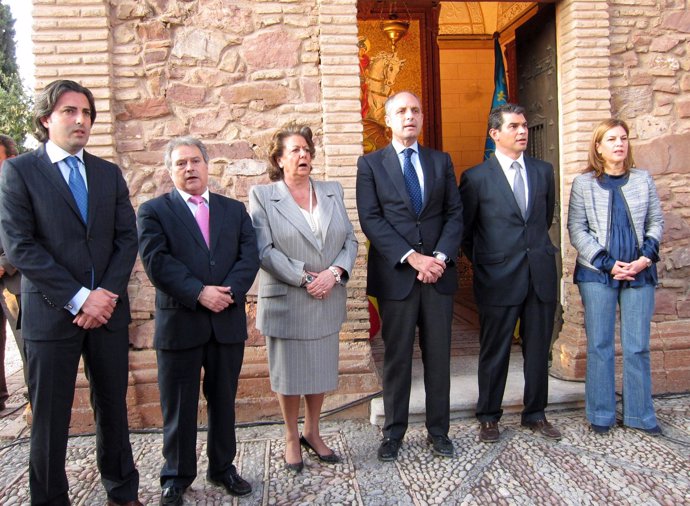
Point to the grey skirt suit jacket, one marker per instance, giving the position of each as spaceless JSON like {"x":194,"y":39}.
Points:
{"x":287,"y":247}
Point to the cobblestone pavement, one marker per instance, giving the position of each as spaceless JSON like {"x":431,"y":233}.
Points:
{"x":623,"y":467}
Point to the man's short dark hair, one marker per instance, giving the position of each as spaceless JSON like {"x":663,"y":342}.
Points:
{"x":10,"y":146}
{"x":48,"y":98}
{"x":496,"y":116}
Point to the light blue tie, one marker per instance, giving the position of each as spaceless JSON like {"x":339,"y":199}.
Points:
{"x":519,"y":189}
{"x":77,"y":185}
{"x":412,"y":182}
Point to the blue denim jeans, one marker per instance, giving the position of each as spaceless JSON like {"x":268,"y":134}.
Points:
{"x":636,"y":309}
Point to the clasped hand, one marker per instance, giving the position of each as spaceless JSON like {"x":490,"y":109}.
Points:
{"x":322,"y":285}
{"x":97,"y":309}
{"x":429,"y":269}
{"x":626,"y":271}
{"x":216,"y":298}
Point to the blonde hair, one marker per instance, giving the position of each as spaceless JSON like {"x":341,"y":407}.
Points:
{"x":595,"y":162}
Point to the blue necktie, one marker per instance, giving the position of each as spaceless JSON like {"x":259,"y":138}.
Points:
{"x":411,"y":181}
{"x":77,"y":185}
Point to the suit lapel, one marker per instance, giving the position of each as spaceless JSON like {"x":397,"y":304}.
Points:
{"x":94,"y":187}
{"x":288,"y":208}
{"x":181,"y":210}
{"x":52,"y":173}
{"x":502,"y":185}
{"x":216,"y":220}
{"x":428,"y":171}
{"x":391,"y":163}
{"x":532,"y":182}
{"x":325,"y":204}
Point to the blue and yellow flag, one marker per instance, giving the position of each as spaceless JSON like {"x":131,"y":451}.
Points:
{"x":500,"y":92}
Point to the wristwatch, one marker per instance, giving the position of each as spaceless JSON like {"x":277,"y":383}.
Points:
{"x":335,"y":273}
{"x":442,"y":257}
{"x":306,"y":278}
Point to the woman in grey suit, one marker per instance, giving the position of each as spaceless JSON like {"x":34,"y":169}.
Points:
{"x":307,"y":249}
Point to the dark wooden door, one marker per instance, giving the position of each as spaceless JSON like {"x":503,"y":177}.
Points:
{"x":538,"y":93}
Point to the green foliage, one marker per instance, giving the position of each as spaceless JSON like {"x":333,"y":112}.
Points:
{"x":8,"y":59}
{"x":15,"y":110}
{"x":15,"y":103}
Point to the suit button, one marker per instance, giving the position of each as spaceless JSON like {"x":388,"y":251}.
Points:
{"x":213,"y":262}
{"x":527,"y":250}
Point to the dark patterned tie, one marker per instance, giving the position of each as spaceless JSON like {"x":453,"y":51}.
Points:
{"x":411,"y":181}
{"x":519,"y":189}
{"x":77,"y":185}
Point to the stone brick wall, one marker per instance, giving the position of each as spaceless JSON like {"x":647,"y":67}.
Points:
{"x":228,"y":73}
{"x":629,"y":59}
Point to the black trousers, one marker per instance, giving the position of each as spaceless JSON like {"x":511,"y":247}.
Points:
{"x":432,"y":313}
{"x":179,"y":373}
{"x":495,"y":338}
{"x":52,"y":377}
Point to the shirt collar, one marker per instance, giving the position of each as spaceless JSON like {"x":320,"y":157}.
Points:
{"x":186,"y":196}
{"x":57,"y":154}
{"x":505,"y":161}
{"x":399,"y":147}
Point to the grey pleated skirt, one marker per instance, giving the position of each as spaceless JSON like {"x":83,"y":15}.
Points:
{"x":303,"y":366}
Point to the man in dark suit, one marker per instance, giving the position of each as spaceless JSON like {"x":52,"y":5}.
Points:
{"x":10,"y":285}
{"x":410,"y":211}
{"x":67,"y":224}
{"x":508,"y":209}
{"x":199,"y":250}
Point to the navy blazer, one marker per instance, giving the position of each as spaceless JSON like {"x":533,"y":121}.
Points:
{"x":393,"y":228}
{"x":179,"y":264}
{"x":57,"y":253}
{"x":507,"y":250}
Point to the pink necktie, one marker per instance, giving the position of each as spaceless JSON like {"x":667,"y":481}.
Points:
{"x":202,"y":217}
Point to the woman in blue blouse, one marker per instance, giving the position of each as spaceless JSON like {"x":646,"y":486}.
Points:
{"x":615,"y":223}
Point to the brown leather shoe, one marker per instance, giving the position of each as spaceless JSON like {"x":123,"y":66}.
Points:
{"x":488,"y":432}
{"x":544,"y":428}
{"x":136,"y":502}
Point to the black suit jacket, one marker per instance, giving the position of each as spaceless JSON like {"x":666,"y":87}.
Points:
{"x":179,"y":264}
{"x":505,"y":249}
{"x":56,"y":252}
{"x":393,"y":228}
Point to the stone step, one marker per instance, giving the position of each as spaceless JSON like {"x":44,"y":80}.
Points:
{"x":464,"y":391}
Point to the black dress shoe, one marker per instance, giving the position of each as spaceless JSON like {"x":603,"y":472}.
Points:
{"x":135,"y":502}
{"x":600,"y":429}
{"x":653,"y":431}
{"x":172,"y":496}
{"x":232,"y":482}
{"x":388,"y":451}
{"x":330,"y":458}
{"x":441,"y":445}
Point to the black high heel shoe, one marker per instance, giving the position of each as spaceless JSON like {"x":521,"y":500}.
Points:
{"x":331,"y":458}
{"x":294,"y":468}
